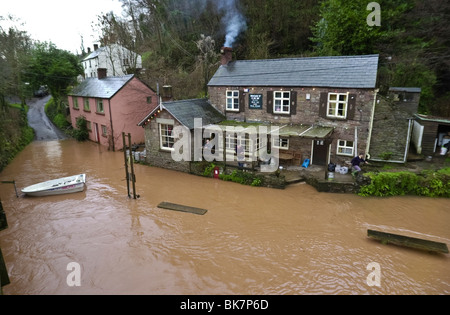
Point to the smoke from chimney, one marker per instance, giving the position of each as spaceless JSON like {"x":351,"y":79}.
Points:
{"x":233,"y":20}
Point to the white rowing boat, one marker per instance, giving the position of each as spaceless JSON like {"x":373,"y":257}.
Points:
{"x":65,"y":185}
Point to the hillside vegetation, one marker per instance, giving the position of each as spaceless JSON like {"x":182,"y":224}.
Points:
{"x":15,"y":133}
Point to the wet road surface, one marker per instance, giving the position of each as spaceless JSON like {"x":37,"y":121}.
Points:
{"x":44,"y":129}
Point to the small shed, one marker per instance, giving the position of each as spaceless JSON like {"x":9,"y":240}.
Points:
{"x":430,"y":133}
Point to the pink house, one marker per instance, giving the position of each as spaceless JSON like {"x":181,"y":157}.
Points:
{"x":112,"y":105}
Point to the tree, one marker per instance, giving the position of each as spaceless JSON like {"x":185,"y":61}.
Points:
{"x":56,"y":68}
{"x":207,"y":57}
{"x":15,"y":46}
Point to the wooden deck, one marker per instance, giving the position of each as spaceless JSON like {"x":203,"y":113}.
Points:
{"x":182,"y":208}
{"x":407,"y":241}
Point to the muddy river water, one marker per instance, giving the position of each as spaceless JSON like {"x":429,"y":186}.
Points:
{"x":251,"y":240}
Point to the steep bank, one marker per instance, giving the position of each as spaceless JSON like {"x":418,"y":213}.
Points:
{"x":15,"y":134}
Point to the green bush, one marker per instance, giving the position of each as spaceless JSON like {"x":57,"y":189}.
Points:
{"x":429,"y":183}
{"x":209,"y":170}
{"x":237,"y":176}
{"x":81,"y":132}
{"x":51,"y":109}
{"x":15,"y":134}
{"x":56,"y":114}
{"x":244,"y":178}
{"x":60,"y":121}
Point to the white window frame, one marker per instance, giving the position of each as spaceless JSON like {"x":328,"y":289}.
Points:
{"x":75,"y":102}
{"x":166,"y":140}
{"x":234,"y":99}
{"x":282,"y":101}
{"x":344,"y":149}
{"x":283,"y":143}
{"x":335,"y":105}
{"x":232,"y":141}
{"x":100,"y":107}
{"x":86,"y":104}
{"x":104,"y":130}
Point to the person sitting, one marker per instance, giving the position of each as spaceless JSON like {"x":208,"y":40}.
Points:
{"x":356,"y":161}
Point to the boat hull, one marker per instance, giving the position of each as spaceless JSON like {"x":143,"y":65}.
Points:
{"x":66,"y":185}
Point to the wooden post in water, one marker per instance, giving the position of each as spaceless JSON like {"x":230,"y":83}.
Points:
{"x":129,"y":176}
{"x":126,"y":163}
{"x":133,"y":177}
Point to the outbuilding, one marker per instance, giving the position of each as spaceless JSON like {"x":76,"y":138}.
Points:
{"x":430,"y":134}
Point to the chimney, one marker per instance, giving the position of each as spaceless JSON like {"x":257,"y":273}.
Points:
{"x":227,"y":55}
{"x":89,"y":50}
{"x":101,"y":73}
{"x":167,"y":93}
{"x":95,"y":47}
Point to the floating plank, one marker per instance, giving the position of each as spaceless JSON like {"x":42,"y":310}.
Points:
{"x":407,"y":241}
{"x":182,"y":208}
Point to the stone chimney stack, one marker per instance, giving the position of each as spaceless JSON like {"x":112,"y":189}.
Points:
{"x":167,"y":93}
{"x":95,"y":47}
{"x":227,"y":55}
{"x":101,"y":73}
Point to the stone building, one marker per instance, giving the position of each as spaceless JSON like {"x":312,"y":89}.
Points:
{"x":160,"y":126}
{"x":393,"y":123}
{"x":323,"y":105}
{"x":322,"y":108}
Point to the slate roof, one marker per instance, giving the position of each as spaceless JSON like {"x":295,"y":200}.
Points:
{"x":95,"y":53}
{"x":101,"y":88}
{"x":406,"y":89}
{"x":337,"y":72}
{"x":185,"y":111}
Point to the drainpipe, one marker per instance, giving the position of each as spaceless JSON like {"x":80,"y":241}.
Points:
{"x":112,"y":128}
{"x":369,"y":139}
{"x":408,"y":139}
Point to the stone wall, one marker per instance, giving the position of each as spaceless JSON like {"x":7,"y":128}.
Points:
{"x":391,"y":127}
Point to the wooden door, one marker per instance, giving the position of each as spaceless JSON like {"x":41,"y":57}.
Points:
{"x":320,"y":152}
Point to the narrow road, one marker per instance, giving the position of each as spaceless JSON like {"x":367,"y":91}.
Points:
{"x":44,"y":129}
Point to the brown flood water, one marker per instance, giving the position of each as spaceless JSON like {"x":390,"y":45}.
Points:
{"x":251,"y":240}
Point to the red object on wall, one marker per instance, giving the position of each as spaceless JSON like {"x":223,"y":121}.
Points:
{"x":216,"y":172}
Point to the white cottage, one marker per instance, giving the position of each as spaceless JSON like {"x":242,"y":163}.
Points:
{"x":115,"y":60}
